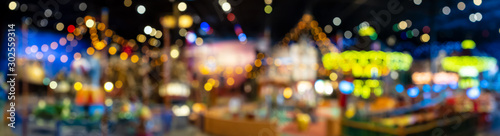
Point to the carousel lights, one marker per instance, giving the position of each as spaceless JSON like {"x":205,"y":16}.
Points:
{"x":484,"y":84}
{"x":444,"y":78}
{"x":366,"y":31}
{"x":174,"y":89}
{"x":468,"y":71}
{"x":468,"y":82}
{"x":422,"y":78}
{"x":413,"y":92}
{"x":438,"y":87}
{"x":367,"y":63}
{"x":426,"y":88}
{"x":456,"y":63}
{"x":468,"y":44}
{"x":181,"y":111}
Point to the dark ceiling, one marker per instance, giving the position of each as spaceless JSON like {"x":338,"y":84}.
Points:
{"x":286,"y":13}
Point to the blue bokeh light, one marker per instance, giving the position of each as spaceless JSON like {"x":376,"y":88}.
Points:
{"x":413,"y":92}
{"x":242,"y":37}
{"x":473,"y":93}
{"x":346,"y":87}
{"x":426,"y":88}
{"x":400,"y":88}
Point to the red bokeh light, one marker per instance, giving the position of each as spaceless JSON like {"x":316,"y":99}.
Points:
{"x":71,"y":28}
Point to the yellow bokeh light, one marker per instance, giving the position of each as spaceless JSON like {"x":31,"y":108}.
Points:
{"x":108,"y":102}
{"x":199,"y":41}
{"x":185,"y":21}
{"x":211,"y":81}
{"x":134,"y":58}
{"x":90,"y":50}
{"x":141,"y":38}
{"x":248,"y":68}
{"x":258,"y":63}
{"x":164,"y":58}
{"x":123,"y":56}
{"x":208,"y":86}
{"x":78,"y":86}
{"x":101,"y":26}
{"x":425,"y":38}
{"x":158,"y":34}
{"x":350,"y":112}
{"x":60,"y":26}
{"x":268,"y":9}
{"x":112,"y":50}
{"x":119,"y":84}
{"x":108,"y":86}
{"x":229,"y":70}
{"x":127,"y":3}
{"x":174,"y":53}
{"x":238,"y":70}
{"x":216,"y":83}
{"x":287,"y":93}
{"x":89,"y":23}
{"x":108,"y":33}
{"x":12,"y":5}
{"x":53,"y":84}
{"x":99,"y":45}
{"x":333,"y":76}
{"x":402,"y":25}
{"x":230,"y":81}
